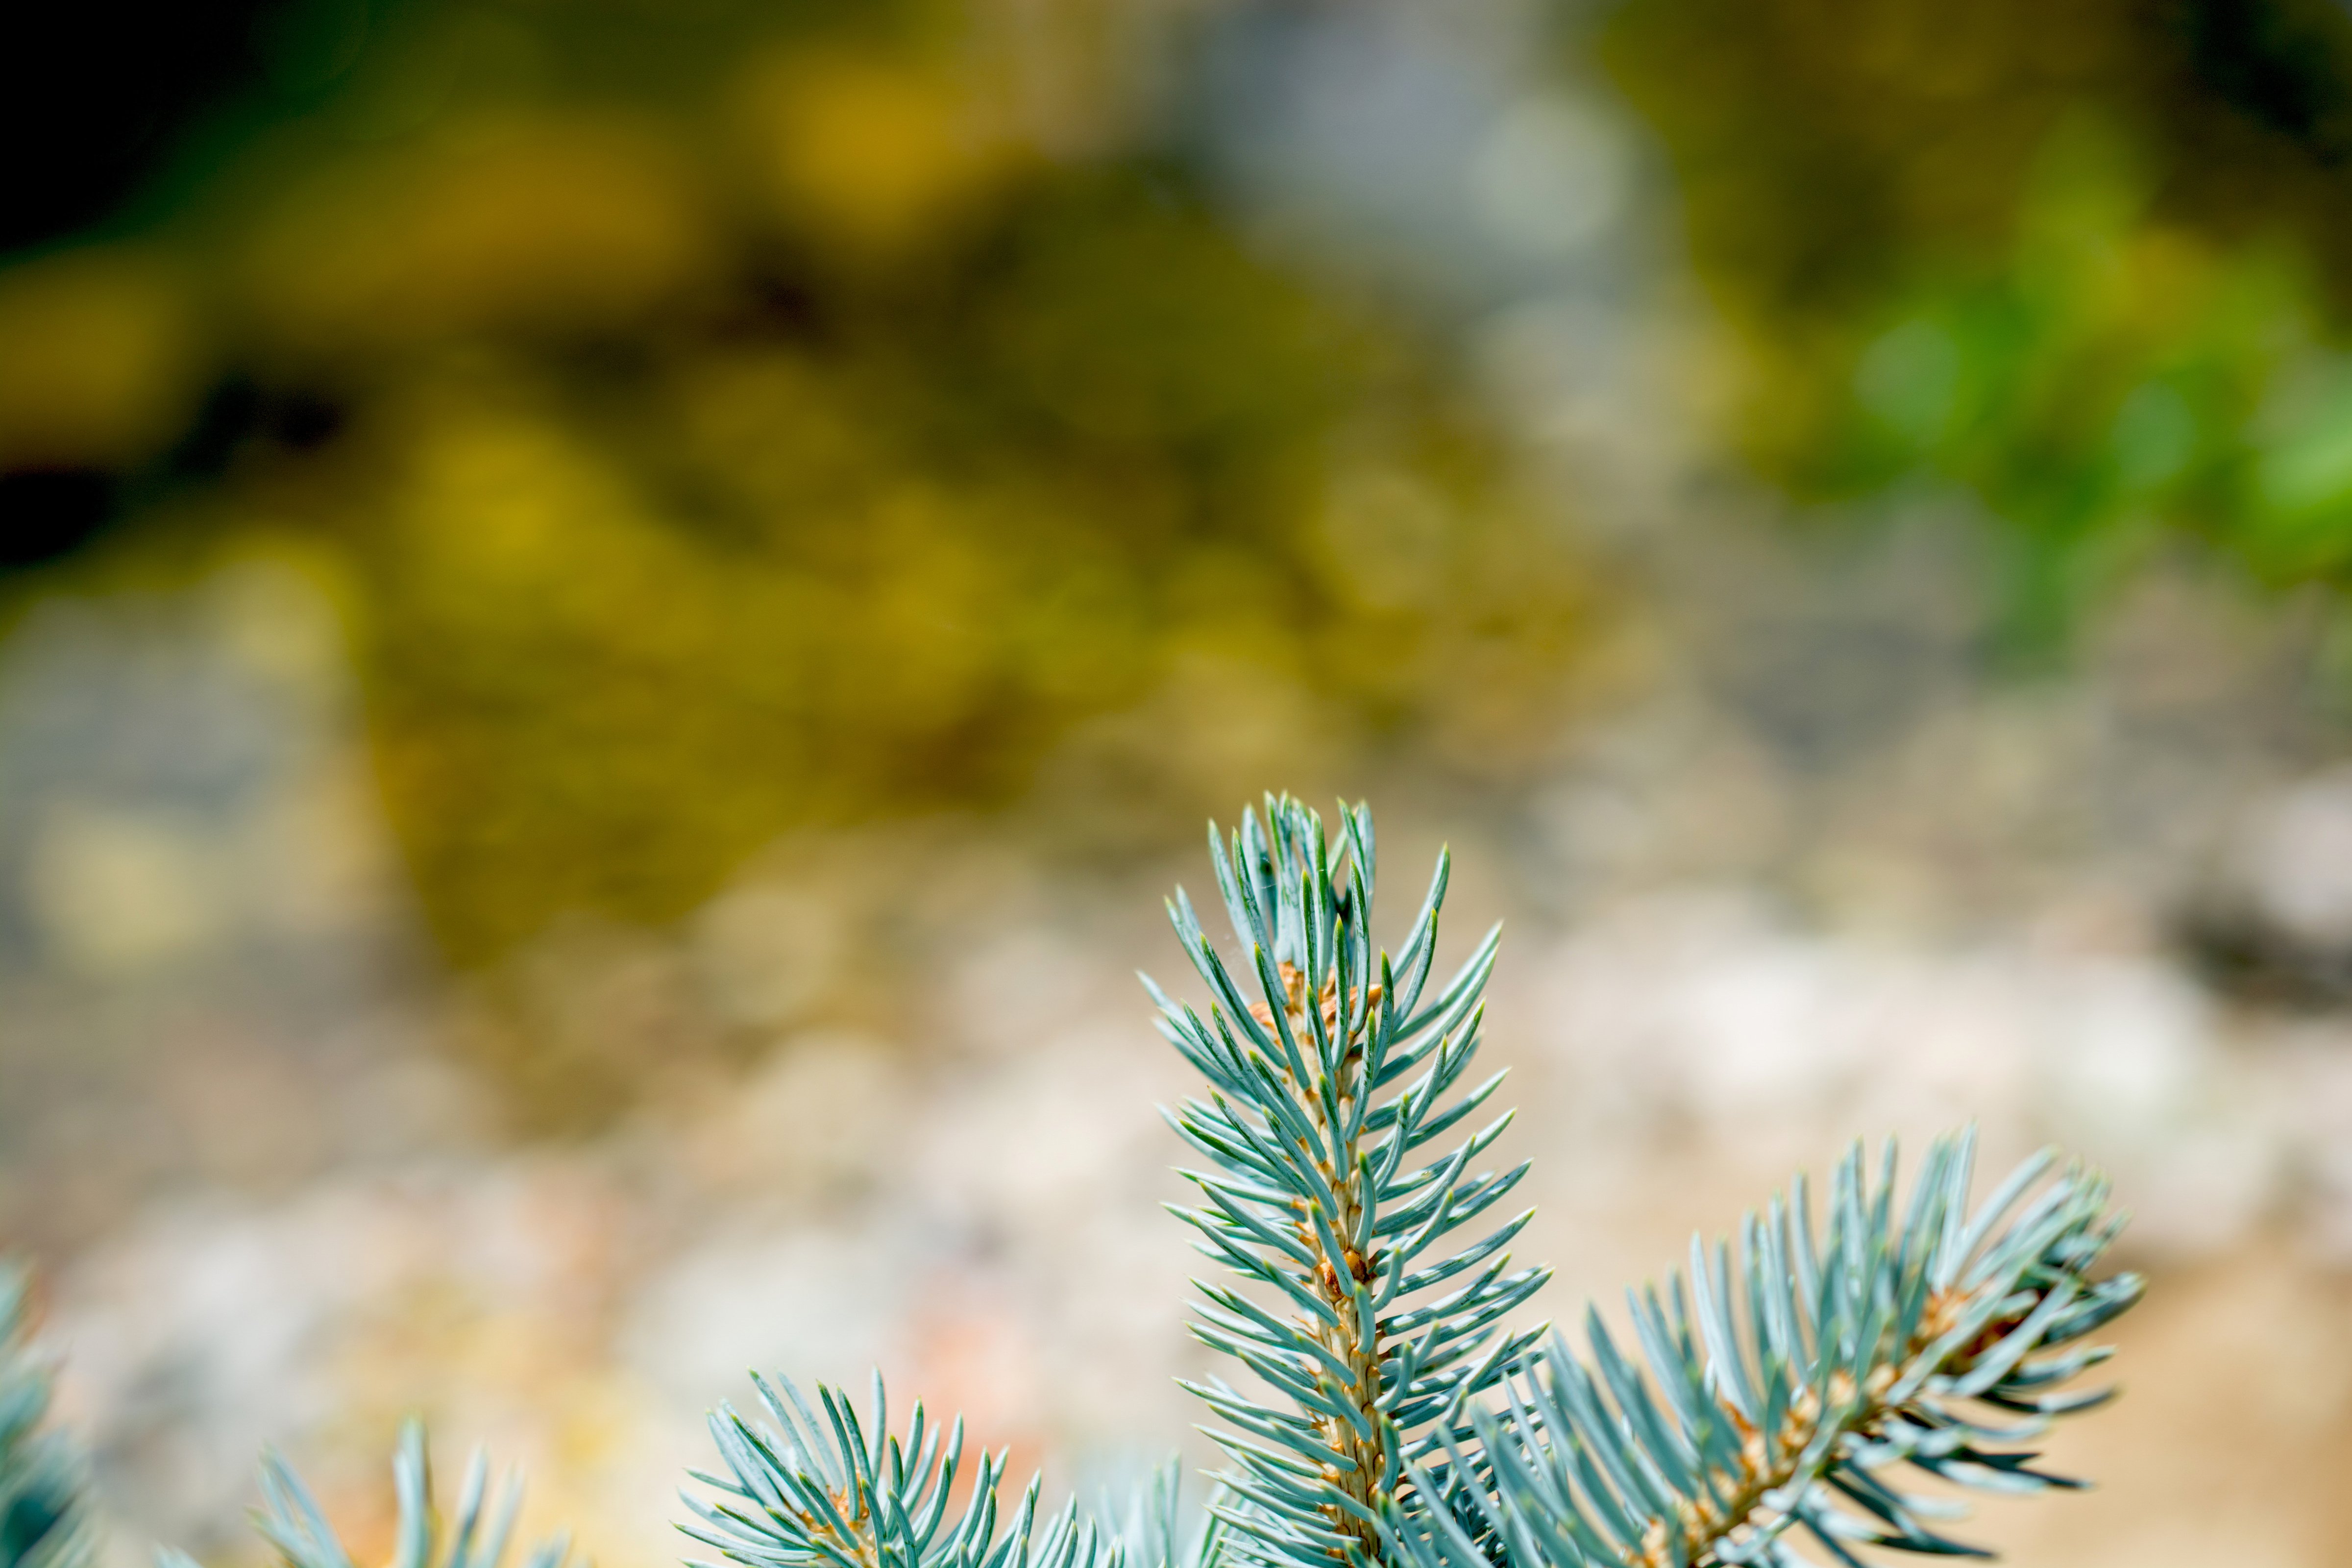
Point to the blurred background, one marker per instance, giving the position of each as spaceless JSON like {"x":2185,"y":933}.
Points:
{"x":615,"y":614}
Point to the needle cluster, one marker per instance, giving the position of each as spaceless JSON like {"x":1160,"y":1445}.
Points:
{"x":44,"y":1518}
{"x":1324,"y":1091}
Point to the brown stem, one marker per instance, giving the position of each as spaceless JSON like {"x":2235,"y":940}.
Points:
{"x":1699,"y":1529}
{"x":1358,"y":1463}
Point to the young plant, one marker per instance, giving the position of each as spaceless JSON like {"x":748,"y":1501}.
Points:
{"x":1765,"y":1411}
{"x":1395,"y":1422}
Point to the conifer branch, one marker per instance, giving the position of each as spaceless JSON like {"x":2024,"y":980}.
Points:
{"x":45,"y":1516}
{"x":290,"y":1519}
{"x":1406,"y":1429}
{"x":831,"y":1492}
{"x":1322,"y":1086}
{"x":1778,"y":1392}
{"x":1155,"y":1532}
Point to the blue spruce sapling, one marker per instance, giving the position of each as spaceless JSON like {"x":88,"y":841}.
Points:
{"x":1766,"y":1410}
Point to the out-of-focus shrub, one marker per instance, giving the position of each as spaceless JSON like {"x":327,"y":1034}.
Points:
{"x":719,"y":424}
{"x":561,"y":223}
{"x":100,"y":358}
{"x":2083,"y":263}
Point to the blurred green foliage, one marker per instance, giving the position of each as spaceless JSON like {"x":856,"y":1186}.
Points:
{"x":719,"y":418}
{"x":2084,"y":263}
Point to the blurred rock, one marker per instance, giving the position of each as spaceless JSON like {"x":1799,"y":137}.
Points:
{"x":207,"y":962}
{"x":2273,"y":915}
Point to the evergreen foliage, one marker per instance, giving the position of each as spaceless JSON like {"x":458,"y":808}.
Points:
{"x":1934,"y":1342}
{"x":1409,"y":1429}
{"x":42,"y":1514}
{"x":1321,"y":1092}
{"x":1771,"y":1401}
{"x":834,"y":1492}
{"x":290,"y":1519}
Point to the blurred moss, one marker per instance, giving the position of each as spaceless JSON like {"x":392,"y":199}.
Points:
{"x":625,"y":625}
{"x":502,"y":223}
{"x":720,"y":426}
{"x":871,"y":161}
